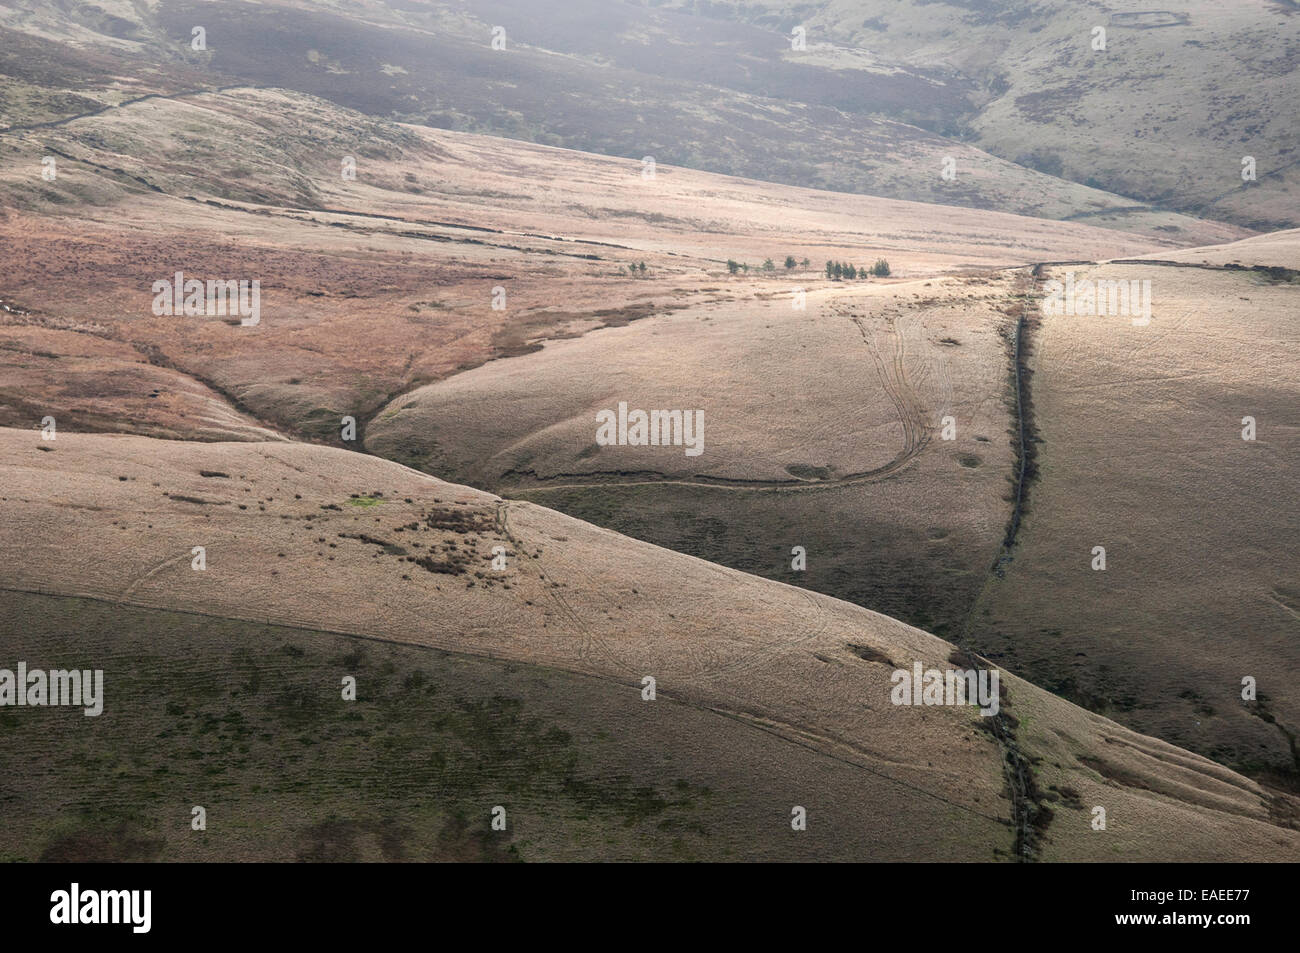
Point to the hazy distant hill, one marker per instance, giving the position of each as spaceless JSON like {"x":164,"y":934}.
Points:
{"x":882,"y":94}
{"x":1165,"y":113}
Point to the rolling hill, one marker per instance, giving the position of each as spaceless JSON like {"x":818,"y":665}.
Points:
{"x":476,"y":688}
{"x":480,"y":241}
{"x":880,"y":97}
{"x":372,"y":285}
{"x":828,"y":425}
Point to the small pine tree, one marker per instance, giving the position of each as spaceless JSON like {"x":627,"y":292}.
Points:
{"x":881,"y":268}
{"x":790,"y":262}
{"x":830,"y":269}
{"x":643,"y":268}
{"x":768,"y":266}
{"x":839,"y":271}
{"x":733,"y":266}
{"x":805,"y":263}
{"x":850,"y":272}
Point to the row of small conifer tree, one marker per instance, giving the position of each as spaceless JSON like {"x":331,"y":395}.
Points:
{"x":836,"y":270}
{"x":839,"y":269}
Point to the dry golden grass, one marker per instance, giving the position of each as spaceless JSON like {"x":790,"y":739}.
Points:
{"x":115,"y":518}
{"x":823,"y":427}
{"x":1142,"y":453}
{"x":375,"y":285}
{"x":1274,"y":249}
{"x":1164,"y":114}
{"x":821,"y":430}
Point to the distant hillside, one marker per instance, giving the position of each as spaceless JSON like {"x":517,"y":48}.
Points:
{"x":631,"y":81}
{"x":1164,"y":114}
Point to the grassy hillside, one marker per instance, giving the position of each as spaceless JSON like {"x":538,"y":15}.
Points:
{"x":1139,"y":450}
{"x":851,"y":113}
{"x":465,"y":254}
{"x":823,"y":429}
{"x":373,"y":285}
{"x":241,"y":712}
{"x":247,"y":721}
{"x":1164,"y":114}
{"x":826,"y":425}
